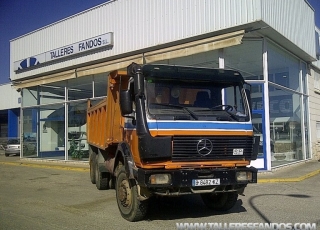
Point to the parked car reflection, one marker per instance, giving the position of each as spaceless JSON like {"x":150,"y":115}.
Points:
{"x":12,"y":147}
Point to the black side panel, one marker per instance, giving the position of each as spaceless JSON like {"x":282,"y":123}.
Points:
{"x":255,"y":149}
{"x":150,"y":148}
{"x":124,"y":150}
{"x":154,"y":147}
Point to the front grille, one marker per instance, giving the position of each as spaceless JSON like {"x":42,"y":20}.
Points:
{"x":185,"y":148}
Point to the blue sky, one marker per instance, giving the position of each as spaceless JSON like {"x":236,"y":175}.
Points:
{"x":18,"y":17}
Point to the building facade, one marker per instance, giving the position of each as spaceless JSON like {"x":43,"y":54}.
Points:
{"x":274,"y":44}
{"x":314,"y":101}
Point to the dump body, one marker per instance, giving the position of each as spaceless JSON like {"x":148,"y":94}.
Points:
{"x":104,"y":120}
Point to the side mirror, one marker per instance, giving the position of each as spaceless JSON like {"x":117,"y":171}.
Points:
{"x":139,"y":83}
{"x":135,"y":71}
{"x":125,"y":102}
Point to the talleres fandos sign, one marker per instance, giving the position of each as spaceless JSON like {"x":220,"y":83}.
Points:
{"x":103,"y":40}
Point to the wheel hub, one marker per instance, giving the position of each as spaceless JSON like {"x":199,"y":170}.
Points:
{"x":125,"y":193}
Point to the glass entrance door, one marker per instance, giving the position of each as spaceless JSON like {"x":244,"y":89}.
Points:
{"x":259,"y":126}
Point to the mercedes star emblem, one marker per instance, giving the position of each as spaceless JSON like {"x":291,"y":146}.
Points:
{"x":204,"y":147}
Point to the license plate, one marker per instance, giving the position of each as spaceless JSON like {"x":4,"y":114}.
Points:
{"x":237,"y":151}
{"x":205,"y":182}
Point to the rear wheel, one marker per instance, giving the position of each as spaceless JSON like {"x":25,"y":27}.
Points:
{"x":220,"y":201}
{"x":92,"y":161}
{"x":102,"y":178}
{"x":6,"y":154}
{"x":131,"y":208}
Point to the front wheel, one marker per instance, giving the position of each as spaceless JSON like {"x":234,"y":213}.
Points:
{"x":220,"y":201}
{"x":131,"y":208}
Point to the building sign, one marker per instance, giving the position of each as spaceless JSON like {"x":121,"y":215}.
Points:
{"x":66,"y":51}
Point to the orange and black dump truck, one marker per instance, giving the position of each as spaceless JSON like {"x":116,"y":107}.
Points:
{"x":167,"y":130}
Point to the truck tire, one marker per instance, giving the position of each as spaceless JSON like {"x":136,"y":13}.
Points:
{"x":220,"y":201}
{"x":102,"y":178}
{"x":92,"y":161}
{"x":129,"y":206}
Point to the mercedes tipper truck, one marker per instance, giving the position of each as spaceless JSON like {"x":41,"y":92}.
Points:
{"x":166,"y":130}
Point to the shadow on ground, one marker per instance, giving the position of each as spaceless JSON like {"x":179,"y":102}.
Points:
{"x":189,"y":206}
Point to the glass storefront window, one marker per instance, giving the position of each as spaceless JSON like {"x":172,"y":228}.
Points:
{"x":258,"y":119}
{"x":52,"y":93}
{"x":256,"y":96}
{"x":80,"y":88}
{"x":52,"y":131}
{"x":78,"y":148}
{"x":258,"y":130}
{"x":306,"y":125}
{"x":45,"y":127}
{"x":100,"y":84}
{"x":246,"y":58}
{"x":29,"y":132}
{"x":283,"y":68}
{"x":304,"y":82}
{"x":285,"y":106}
{"x":30,"y":96}
{"x":285,"y":126}
{"x":3,"y":130}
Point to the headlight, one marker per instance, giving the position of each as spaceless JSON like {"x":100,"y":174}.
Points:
{"x":244,"y":176}
{"x":160,"y":179}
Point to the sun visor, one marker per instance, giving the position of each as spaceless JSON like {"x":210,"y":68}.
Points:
{"x":195,"y":47}
{"x":104,"y":67}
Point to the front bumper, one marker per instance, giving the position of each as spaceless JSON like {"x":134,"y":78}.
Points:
{"x":182,"y":179}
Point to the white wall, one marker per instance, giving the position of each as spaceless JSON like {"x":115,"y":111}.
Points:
{"x":317,"y":63}
{"x":294,"y":19}
{"x":136,"y":25}
{"x":9,"y":98}
{"x":144,"y":24}
{"x":314,"y":112}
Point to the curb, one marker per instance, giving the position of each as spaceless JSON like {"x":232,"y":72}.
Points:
{"x":70,"y":168}
{"x":294,"y":179}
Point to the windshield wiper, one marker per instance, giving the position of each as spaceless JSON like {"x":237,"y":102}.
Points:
{"x":220,"y":108}
{"x":234,"y":116}
{"x":179,"y":107}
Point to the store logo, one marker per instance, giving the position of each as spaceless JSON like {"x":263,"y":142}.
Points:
{"x":104,"y":40}
{"x":29,"y":62}
{"x":204,"y":147}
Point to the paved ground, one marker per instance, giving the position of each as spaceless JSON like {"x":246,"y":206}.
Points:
{"x":36,"y":195}
{"x":39,"y":194}
{"x":50,"y":194}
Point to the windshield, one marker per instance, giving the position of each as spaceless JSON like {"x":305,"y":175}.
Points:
{"x":13,"y":141}
{"x":194,"y":100}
